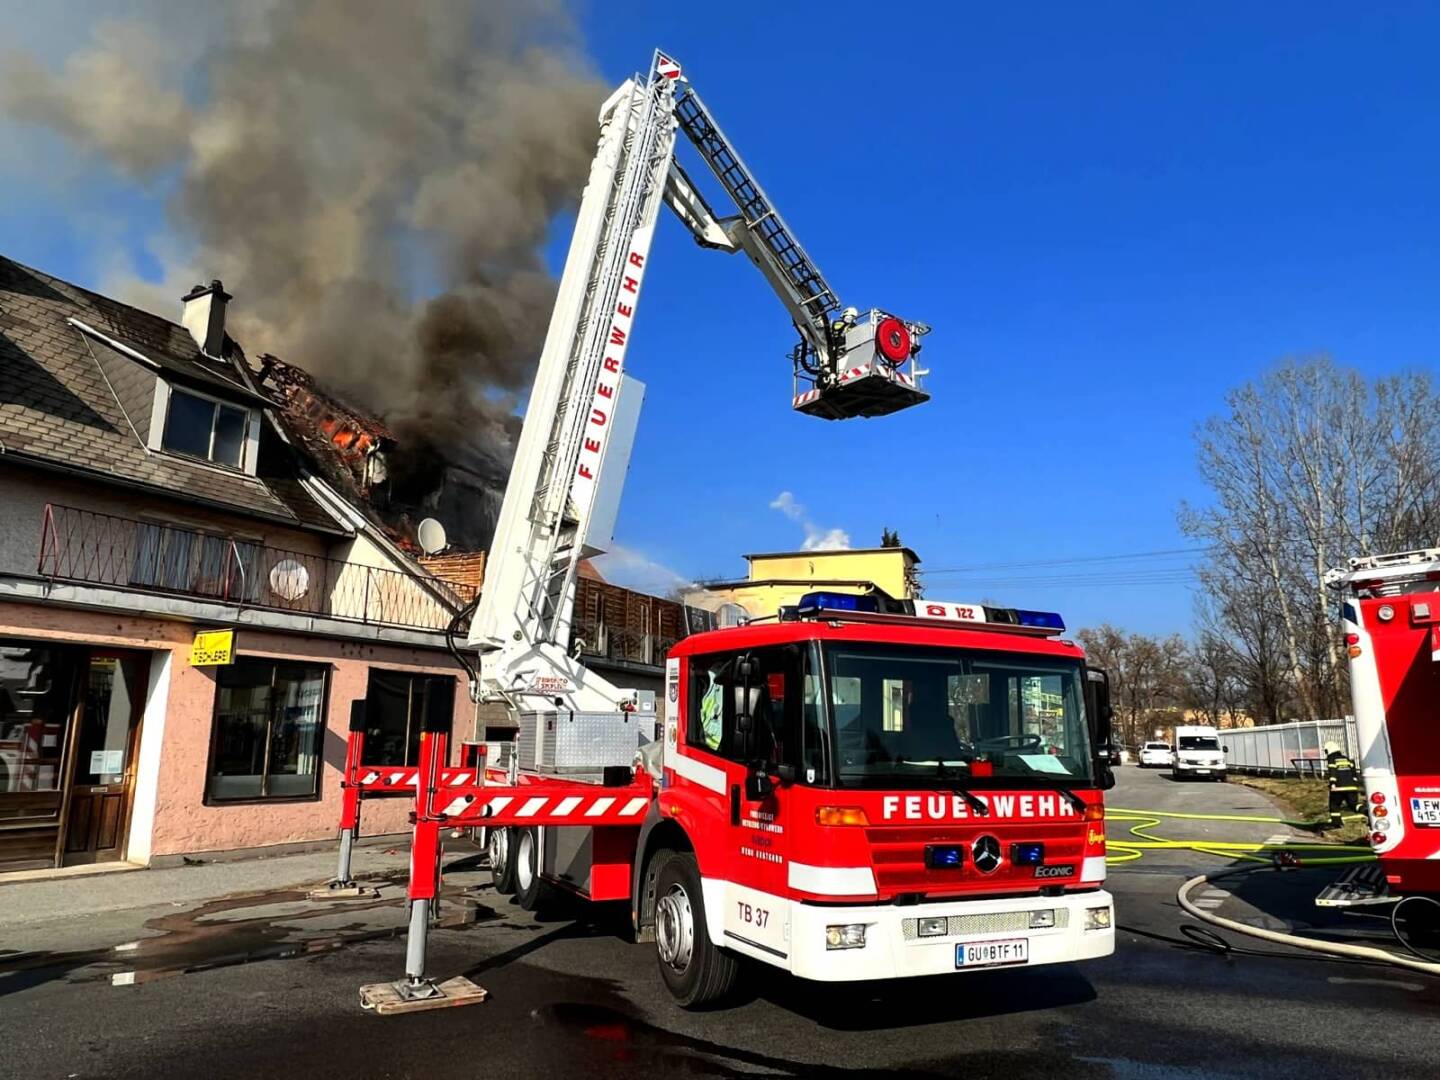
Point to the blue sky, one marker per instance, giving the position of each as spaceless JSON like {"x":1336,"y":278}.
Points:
{"x":1109,"y":216}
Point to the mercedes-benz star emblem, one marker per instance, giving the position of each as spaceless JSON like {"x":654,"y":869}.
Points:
{"x":986,"y":853}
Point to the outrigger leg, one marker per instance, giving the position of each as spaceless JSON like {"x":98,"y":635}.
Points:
{"x":416,"y":992}
{"x":344,"y":886}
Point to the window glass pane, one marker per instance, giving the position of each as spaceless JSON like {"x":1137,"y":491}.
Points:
{"x":188,"y":424}
{"x":229,"y":435}
{"x":297,"y":728}
{"x":242,"y":715}
{"x":35,"y":689}
{"x":388,"y":736}
{"x":108,"y":720}
{"x":164,"y":557}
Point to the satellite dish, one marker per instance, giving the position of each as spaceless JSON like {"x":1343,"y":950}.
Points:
{"x":431,"y":535}
{"x":289,"y":579}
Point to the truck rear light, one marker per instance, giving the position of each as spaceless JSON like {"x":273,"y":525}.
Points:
{"x":840,"y":815}
{"x":1095,"y":811}
{"x":931,"y":927}
{"x":1377,"y":838}
{"x":1385,"y":613}
{"x":845,"y":936}
{"x":1378,"y":798}
{"x":1381,"y":811}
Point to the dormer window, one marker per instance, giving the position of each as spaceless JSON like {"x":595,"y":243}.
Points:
{"x":205,"y":428}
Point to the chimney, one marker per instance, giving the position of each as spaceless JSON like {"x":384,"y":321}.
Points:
{"x":202,"y":312}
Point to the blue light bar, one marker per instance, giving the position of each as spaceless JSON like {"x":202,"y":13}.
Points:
{"x":1043,"y":620}
{"x":832,"y":601}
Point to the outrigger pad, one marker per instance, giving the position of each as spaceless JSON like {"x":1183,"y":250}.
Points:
{"x":383,"y":999}
{"x":344,"y":892}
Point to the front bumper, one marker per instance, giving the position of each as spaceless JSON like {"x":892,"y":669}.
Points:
{"x":890,"y":953}
{"x":1217,"y":769}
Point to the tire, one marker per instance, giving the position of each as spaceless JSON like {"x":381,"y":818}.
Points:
{"x":500,"y":847}
{"x":531,"y":892}
{"x":693,"y":968}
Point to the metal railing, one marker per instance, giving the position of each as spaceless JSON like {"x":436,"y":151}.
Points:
{"x":601,"y":639}
{"x":1296,"y":749}
{"x":152,"y":557}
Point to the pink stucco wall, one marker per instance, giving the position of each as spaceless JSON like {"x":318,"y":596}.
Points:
{"x":182,"y":822}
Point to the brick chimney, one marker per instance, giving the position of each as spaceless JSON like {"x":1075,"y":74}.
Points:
{"x":202,"y":312}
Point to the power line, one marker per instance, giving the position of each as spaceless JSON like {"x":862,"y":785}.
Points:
{"x":979,"y":567}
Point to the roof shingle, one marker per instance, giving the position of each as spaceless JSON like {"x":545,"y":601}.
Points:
{"x":57,"y":407}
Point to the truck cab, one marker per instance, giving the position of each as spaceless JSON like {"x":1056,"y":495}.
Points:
{"x":869,"y":794}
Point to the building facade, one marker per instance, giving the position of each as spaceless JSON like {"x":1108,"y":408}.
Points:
{"x":149,"y":494}
{"x":780,"y":578}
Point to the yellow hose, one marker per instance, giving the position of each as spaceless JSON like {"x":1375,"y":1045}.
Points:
{"x":1123,"y":851}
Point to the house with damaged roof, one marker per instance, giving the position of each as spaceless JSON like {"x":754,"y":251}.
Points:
{"x":156,"y":489}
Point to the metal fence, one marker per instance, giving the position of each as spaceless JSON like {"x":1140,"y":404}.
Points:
{"x":100,"y":549}
{"x":1296,"y":749}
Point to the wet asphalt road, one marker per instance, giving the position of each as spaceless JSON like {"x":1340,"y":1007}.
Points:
{"x":573,"y":998}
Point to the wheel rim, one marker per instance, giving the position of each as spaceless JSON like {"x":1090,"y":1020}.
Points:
{"x":675,"y":928}
{"x":524,"y":871}
{"x":499,"y":851}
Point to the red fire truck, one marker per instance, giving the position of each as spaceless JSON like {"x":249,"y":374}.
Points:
{"x":855,"y":790}
{"x":858,"y":787}
{"x":1391,"y":619}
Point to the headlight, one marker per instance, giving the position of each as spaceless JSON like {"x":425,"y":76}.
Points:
{"x":1042,"y":920}
{"x":1097,"y":918}
{"x":846,"y":936}
{"x":931,"y":927}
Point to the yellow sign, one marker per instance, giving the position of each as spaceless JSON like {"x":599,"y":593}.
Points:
{"x":213,"y":647}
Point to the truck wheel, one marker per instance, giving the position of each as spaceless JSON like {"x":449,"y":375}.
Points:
{"x":502,"y":860}
{"x":531,"y":893}
{"x":695,"y":971}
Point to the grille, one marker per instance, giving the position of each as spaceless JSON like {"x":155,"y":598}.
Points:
{"x":990,"y":922}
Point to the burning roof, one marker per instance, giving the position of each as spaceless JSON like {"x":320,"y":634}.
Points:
{"x":396,"y":477}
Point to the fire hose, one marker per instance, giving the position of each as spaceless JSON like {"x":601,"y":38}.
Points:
{"x":1297,"y":855}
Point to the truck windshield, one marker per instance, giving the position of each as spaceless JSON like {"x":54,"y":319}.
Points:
{"x":1199,"y":742}
{"x":908,"y":716}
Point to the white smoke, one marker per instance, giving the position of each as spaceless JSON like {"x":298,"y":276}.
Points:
{"x":817,"y":537}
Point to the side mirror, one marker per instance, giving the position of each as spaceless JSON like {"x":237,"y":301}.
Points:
{"x":786,"y":773}
{"x":1225,"y":749}
{"x":758,"y":785}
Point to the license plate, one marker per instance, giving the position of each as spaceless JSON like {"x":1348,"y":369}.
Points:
{"x":973,"y":954}
{"x":1425,"y":811}
{"x":1202,"y":772}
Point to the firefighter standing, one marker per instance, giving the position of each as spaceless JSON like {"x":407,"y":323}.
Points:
{"x":1344,"y":783}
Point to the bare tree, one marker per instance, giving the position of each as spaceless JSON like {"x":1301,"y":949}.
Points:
{"x":1310,"y":464}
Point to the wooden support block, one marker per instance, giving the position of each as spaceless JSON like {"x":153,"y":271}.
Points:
{"x":349,"y":892}
{"x":385,"y":999}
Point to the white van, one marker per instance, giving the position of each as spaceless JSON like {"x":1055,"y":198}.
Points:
{"x":1197,"y":752}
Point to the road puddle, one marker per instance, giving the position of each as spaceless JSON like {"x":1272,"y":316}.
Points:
{"x":242,"y":928}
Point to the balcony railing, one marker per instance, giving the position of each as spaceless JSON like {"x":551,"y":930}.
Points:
{"x":599,"y":639}
{"x":100,"y":549}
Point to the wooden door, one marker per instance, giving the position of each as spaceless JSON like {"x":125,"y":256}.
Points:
{"x":103,"y":765}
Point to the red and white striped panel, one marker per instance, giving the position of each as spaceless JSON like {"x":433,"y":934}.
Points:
{"x":522,"y":806}
{"x":377,"y":778}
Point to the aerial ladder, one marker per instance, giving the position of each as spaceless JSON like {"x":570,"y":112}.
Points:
{"x":563,"y":491}
{"x":573,"y":451}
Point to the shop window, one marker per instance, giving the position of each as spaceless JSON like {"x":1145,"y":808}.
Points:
{"x":35,"y":703}
{"x":396,"y":705}
{"x":269,"y":730}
